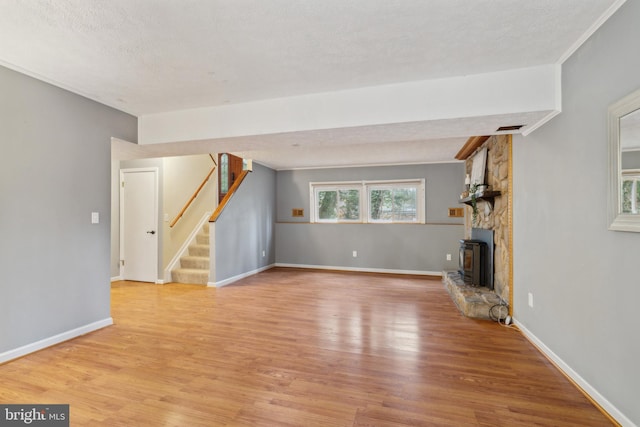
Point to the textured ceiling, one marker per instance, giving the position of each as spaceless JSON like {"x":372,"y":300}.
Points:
{"x":150,"y":56}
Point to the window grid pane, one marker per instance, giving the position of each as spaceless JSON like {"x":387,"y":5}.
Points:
{"x":396,"y":204}
{"x":349,"y":205}
{"x":404,"y":204}
{"x":338,"y":204}
{"x":224,"y":173}
{"x":327,"y":205}
{"x":631,"y":195}
{"x":380,"y":205}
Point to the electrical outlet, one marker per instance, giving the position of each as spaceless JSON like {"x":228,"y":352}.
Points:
{"x":530,"y":300}
{"x":355,"y":254}
{"x":448,"y":257}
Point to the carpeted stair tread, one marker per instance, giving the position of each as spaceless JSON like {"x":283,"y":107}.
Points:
{"x":190,"y":275}
{"x":199,"y":250}
{"x":199,"y":262}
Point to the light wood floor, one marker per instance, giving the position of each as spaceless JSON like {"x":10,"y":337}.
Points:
{"x":297,"y":348}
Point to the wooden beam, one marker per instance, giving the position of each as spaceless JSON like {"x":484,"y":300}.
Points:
{"x":470,"y":146}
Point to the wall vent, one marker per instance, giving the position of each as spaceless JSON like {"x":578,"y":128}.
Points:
{"x":506,"y":128}
{"x":456,"y":212}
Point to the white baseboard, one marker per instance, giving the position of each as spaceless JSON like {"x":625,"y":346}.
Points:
{"x":56,"y":339}
{"x":322,"y":267}
{"x":118,"y":278}
{"x":576,"y":378}
{"x":239,"y":277}
{"x":362,"y":270}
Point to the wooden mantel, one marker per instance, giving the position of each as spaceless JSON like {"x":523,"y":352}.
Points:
{"x":471,"y":146}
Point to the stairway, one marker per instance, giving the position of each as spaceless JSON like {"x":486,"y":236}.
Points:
{"x":194,"y":268}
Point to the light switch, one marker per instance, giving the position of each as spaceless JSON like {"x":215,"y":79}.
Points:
{"x":95,"y":217}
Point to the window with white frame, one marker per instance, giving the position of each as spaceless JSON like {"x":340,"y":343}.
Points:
{"x":389,"y":202}
{"x":631,"y":192}
{"x":336,"y":203}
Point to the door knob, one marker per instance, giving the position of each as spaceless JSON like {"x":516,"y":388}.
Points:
{"x":151,"y":232}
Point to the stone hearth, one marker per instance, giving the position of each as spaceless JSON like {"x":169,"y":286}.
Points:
{"x":472,"y":301}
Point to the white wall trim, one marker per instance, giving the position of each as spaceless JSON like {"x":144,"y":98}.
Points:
{"x":541,"y":122}
{"x":579,"y":381}
{"x":230,"y":280}
{"x":46,"y":79}
{"x":361,"y":269}
{"x":56,"y":339}
{"x":184,"y":249}
{"x":116,"y":279}
{"x":592,"y":29}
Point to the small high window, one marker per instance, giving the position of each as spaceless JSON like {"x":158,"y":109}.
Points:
{"x":400,"y":201}
{"x":224,"y":173}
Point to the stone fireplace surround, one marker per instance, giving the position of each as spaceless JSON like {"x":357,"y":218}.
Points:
{"x":475,"y":301}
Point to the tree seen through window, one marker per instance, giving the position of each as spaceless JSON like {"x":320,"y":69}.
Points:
{"x":393,"y":204}
{"x":339,"y":204}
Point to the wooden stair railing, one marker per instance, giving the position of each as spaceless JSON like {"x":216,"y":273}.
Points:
{"x":228,"y":196}
{"x":195,"y":194}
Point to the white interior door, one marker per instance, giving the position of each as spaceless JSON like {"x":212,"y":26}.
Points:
{"x":139,"y":224}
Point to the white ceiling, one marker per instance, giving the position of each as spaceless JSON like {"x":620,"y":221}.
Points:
{"x":151,"y":56}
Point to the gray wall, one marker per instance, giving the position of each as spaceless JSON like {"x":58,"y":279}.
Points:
{"x":399,"y":247}
{"x":584,"y":278}
{"x":246,"y":228}
{"x":54,"y":171}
